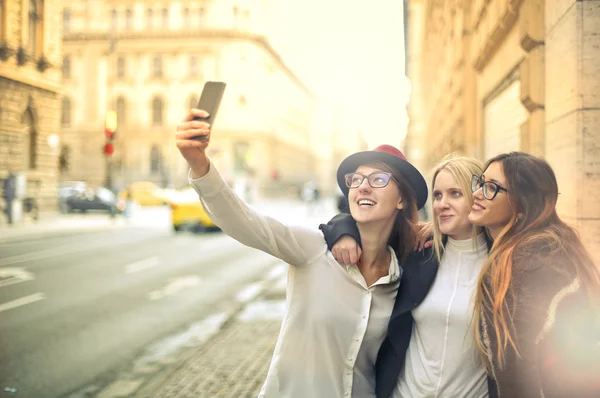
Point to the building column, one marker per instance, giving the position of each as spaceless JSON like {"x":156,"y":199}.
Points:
{"x":572,"y":139}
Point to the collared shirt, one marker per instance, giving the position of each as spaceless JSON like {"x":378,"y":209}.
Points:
{"x":441,"y":360}
{"x":334,"y":323}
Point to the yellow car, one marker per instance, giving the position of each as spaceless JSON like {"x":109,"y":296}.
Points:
{"x":187,"y":212}
{"x":144,"y":193}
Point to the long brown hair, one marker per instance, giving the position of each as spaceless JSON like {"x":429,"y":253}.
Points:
{"x":534,"y":225}
{"x":404,"y":232}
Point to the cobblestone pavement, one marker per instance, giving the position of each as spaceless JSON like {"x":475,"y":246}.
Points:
{"x":234,"y":363}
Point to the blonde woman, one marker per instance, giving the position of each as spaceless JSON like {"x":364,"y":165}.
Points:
{"x":430,"y":350}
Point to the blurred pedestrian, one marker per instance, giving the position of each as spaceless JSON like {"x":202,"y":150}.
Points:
{"x":129,"y":203}
{"x":337,"y":315}
{"x":9,"y":188}
{"x":429,"y":350}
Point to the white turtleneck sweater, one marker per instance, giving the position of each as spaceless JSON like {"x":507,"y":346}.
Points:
{"x":441,"y":360}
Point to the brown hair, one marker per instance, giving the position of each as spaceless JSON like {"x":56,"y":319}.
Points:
{"x":534,"y":225}
{"x":404,"y":232}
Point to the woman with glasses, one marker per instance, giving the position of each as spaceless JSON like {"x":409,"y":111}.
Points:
{"x":430,"y":350}
{"x":337,"y":315}
{"x":536,"y":311}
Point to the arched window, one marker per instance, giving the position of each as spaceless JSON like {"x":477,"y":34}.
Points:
{"x":193,"y":101}
{"x":113,"y":20}
{"x":128,"y":19}
{"x":121,"y":111}
{"x":66,"y":20}
{"x":186,"y":17}
{"x":236,"y":16}
{"x":157,"y":111}
{"x":150,"y":18}
{"x":66,"y":70}
{"x":157,"y":70}
{"x":30,"y":144}
{"x":165,"y":18}
{"x":121,"y":67}
{"x":64,"y":159}
{"x":201,"y":16}
{"x":65,"y":118}
{"x":34,"y":19}
{"x":155,"y":159}
{"x":194,"y":66}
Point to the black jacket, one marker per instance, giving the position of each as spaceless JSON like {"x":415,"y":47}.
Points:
{"x":419,"y":271}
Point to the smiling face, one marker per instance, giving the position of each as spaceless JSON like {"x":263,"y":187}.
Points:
{"x":368,"y":204}
{"x":451,"y":207}
{"x":493,"y":214}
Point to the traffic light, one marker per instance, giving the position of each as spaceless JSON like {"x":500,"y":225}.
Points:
{"x":110,"y":129}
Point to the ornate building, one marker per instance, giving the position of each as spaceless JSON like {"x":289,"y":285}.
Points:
{"x":30,"y":51}
{"x":492,"y":76}
{"x":148,"y":62}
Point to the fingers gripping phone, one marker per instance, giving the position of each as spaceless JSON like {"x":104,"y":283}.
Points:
{"x":210,"y":99}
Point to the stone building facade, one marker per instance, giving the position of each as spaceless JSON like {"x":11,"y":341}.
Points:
{"x":30,"y":88}
{"x":492,"y":76}
{"x":149,"y":62}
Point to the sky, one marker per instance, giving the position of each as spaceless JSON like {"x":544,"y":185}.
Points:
{"x":352,"y":57}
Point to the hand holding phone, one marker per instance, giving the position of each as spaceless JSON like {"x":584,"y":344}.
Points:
{"x":210,"y":99}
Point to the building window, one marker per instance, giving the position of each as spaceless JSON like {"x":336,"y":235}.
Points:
{"x":65,"y":118}
{"x":155,"y":159}
{"x":121,"y":111}
{"x":157,"y":70}
{"x":66,"y":69}
{"x":193,"y":101}
{"x":128,"y":19}
{"x":194,"y":68}
{"x":113,"y":20}
{"x":121,"y":67}
{"x":201,"y":16}
{"x":35,"y":25}
{"x":157,"y":111}
{"x":2,"y":16}
{"x":186,"y":17}
{"x":236,"y":15}
{"x":30,"y":144}
{"x":165,"y":18}
{"x":64,"y":159}
{"x":66,"y":20}
{"x":150,"y":18}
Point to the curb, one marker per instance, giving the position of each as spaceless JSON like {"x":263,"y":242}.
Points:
{"x":32,"y":235}
{"x":143,"y":376}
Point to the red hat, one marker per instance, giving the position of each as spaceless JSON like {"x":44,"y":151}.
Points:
{"x":392,"y":157}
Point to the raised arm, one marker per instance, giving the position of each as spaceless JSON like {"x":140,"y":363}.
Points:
{"x":294,"y":245}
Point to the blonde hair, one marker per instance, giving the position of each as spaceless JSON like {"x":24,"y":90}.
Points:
{"x":461,"y":168}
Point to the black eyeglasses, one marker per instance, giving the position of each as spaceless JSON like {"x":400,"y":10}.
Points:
{"x":379,"y":179}
{"x":490,"y":189}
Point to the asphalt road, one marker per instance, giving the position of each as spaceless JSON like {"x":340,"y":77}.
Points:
{"x":74,"y":309}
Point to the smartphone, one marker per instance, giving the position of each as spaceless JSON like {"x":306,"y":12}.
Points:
{"x":210,"y":99}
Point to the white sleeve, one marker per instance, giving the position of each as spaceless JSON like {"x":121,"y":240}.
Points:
{"x":293,"y":244}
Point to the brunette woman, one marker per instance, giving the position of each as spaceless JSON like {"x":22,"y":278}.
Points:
{"x":536,"y":313}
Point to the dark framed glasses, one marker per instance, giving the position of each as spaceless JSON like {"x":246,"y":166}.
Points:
{"x":378,"y":179}
{"x":490,"y":189}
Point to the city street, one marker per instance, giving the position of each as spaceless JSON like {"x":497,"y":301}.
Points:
{"x":74,"y":309}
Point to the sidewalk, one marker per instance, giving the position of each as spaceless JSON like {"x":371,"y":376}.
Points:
{"x":234,"y":362}
{"x":59,"y":224}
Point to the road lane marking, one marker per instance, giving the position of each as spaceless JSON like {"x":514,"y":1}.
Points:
{"x":10,"y":276}
{"x":174,"y":286}
{"x":142,"y":265}
{"x":249,"y":292}
{"x":66,"y":249}
{"x":22,"y":301}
